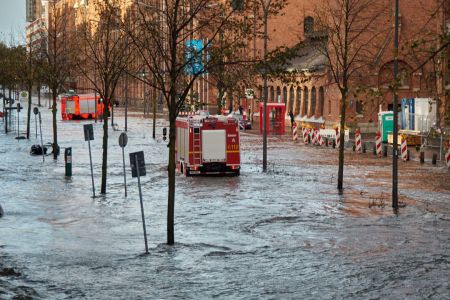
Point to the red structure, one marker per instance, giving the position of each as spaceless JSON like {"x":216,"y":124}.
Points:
{"x":79,"y":107}
{"x":207,"y":145}
{"x":275,"y":118}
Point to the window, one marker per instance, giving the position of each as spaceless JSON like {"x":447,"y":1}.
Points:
{"x":284,"y":95}
{"x":272,"y":94}
{"x":278,"y":95}
{"x":321,"y":100}
{"x":359,"y":107}
{"x":298,"y":101}
{"x":329,"y":107}
{"x":313,"y":101}
{"x":291,"y":99}
{"x":305,"y":101}
{"x":308,"y":24}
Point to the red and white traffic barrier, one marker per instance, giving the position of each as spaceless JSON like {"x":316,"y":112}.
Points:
{"x":378,"y":143}
{"x":338,"y":138}
{"x":305,"y":135}
{"x":358,"y":143}
{"x":314,"y":136}
{"x":294,"y":133}
{"x":447,"y":155}
{"x":404,"y":149}
{"x":320,"y":141}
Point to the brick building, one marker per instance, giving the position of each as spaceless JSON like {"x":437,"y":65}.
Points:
{"x":316,"y":100}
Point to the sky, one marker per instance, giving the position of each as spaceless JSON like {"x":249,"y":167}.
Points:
{"x":12,"y":20}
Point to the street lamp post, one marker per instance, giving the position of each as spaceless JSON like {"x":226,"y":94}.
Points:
{"x":395,"y":109}
{"x":265,"y":7}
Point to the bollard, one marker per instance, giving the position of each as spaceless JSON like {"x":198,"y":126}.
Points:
{"x":374,"y":149}
{"x":364,"y":147}
{"x":68,"y":161}
{"x":309,"y":139}
{"x":407,"y":155}
{"x":334,"y":143}
{"x":354,"y":147}
{"x":422,"y":157}
{"x":326,"y":142}
{"x":434,"y":159}
{"x":164,"y":133}
{"x":385,"y":150}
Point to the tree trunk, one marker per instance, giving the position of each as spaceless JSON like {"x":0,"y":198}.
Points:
{"x":105,"y":147}
{"x":219,"y":101}
{"x":29,"y":109}
{"x":39,"y":94}
{"x":55,"y":146}
{"x":341,"y":145}
{"x":171,"y":178}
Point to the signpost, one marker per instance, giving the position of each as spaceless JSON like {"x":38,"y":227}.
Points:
{"x":123,"y":140}
{"x":89,"y":136}
{"x":137,"y":163}
{"x":18,"y":119}
{"x":42,"y":142}
{"x":35,"y":112}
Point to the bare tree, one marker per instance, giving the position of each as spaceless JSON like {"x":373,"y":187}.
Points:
{"x":59,"y":57}
{"x":103,"y":58}
{"x":352,"y":28}
{"x":171,"y":38}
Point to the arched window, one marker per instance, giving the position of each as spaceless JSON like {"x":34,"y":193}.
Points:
{"x":305,"y":101}
{"x":308,"y":24}
{"x":285,"y":95}
{"x":313,"y":101}
{"x":291,"y":99}
{"x":321,"y":100}
{"x":260,"y":93}
{"x":272,"y":94}
{"x":298,"y":100}
{"x":278,"y":99}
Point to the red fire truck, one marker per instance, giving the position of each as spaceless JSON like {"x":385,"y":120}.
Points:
{"x":79,"y":107}
{"x":207,"y":145}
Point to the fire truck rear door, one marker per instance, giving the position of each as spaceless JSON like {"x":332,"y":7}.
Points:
{"x":214,"y":145}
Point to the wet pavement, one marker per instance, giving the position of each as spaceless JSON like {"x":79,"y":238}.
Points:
{"x":281,"y":235}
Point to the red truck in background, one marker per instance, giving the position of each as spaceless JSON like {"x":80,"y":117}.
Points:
{"x":207,"y":145}
{"x":81,"y":106}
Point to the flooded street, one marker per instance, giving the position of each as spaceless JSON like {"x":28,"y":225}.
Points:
{"x":281,"y":235}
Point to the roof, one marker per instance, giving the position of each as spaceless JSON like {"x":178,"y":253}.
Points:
{"x":309,"y":58}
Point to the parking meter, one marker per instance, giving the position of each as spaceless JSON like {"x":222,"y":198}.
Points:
{"x":68,"y":161}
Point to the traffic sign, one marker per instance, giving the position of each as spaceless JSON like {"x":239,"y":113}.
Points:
{"x":88,"y":132}
{"x":123,"y":139}
{"x":23,"y":96}
{"x":249,"y":93}
{"x":35,"y":110}
{"x":137,"y":161}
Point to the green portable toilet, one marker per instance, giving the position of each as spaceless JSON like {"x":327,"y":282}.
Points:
{"x":385,"y":124}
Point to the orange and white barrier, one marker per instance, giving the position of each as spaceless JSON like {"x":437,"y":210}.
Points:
{"x":358,"y":143}
{"x":294,"y":133}
{"x":404,"y":148}
{"x":378,"y":143}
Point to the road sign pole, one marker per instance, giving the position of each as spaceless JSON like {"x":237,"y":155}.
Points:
{"x":42,"y":142}
{"x":18,"y":119}
{"x":142,"y":205}
{"x":35,"y":123}
{"x":92,"y":170}
{"x":124,"y":174}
